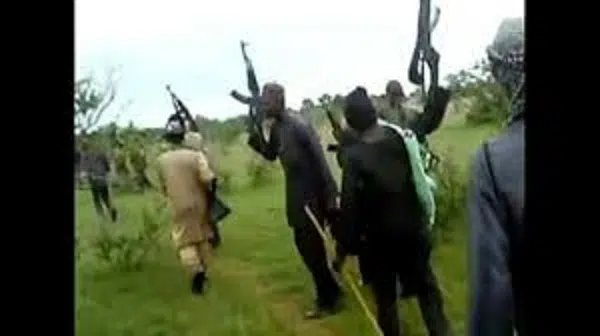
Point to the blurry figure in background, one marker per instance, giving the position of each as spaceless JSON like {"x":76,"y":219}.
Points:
{"x":96,"y":167}
{"x":497,"y":203}
{"x":383,"y":221}
{"x":189,"y":184}
{"x":395,"y":112}
{"x":139,"y":163}
{"x":306,"y":110}
{"x":308,"y":182}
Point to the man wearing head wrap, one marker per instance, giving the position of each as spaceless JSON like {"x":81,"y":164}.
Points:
{"x":308,"y":181}
{"x":187,"y":181}
{"x":395,"y":111}
{"x":383,"y":220}
{"x":497,"y":202}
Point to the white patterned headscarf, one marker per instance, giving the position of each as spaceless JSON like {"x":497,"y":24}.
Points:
{"x":507,"y":56}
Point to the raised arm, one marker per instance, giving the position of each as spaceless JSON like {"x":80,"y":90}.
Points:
{"x":491,"y":306}
{"x":268,"y":149}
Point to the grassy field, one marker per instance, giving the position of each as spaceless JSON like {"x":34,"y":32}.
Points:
{"x":257,"y":283}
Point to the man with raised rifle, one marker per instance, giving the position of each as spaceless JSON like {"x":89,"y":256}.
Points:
{"x":308,"y":182}
{"x":383,"y":221}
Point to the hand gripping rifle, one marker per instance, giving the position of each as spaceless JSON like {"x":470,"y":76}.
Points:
{"x":218,"y":208}
{"x":435,"y":98}
{"x":254,"y":110}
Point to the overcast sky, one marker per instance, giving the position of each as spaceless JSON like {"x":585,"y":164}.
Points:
{"x":309,"y":46}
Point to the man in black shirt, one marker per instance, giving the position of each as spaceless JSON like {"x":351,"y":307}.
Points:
{"x":308,"y":181}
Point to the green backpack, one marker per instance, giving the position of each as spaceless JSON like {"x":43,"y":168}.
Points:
{"x":424,"y":184}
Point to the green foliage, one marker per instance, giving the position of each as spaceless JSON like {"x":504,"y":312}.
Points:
{"x":225,"y":181}
{"x":260,"y":172}
{"x":485,"y":100}
{"x":128,"y":252}
{"x":450,"y":195}
{"x":91,"y":99}
{"x":77,"y":249}
{"x":490,"y":106}
{"x":224,"y":132}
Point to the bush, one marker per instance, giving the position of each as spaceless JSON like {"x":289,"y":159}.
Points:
{"x":451,"y":195}
{"x":125,"y":252}
{"x":260,"y":172}
{"x":489,"y":105}
{"x":225,"y":181}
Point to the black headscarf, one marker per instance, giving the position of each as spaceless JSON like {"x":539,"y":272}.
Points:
{"x":359,"y":111}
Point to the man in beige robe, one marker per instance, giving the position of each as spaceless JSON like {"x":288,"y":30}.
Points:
{"x":188,"y":182}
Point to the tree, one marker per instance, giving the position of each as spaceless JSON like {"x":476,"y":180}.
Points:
{"x":307,"y":103}
{"x":325,"y":98}
{"x":92,"y":98}
{"x":478,"y":93}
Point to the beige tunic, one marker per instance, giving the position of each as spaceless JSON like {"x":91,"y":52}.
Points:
{"x":184,"y":174}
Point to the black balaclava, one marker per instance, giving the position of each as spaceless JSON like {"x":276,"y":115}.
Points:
{"x":359,"y":111}
{"x":175,"y":130}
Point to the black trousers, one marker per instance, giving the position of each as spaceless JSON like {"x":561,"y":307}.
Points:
{"x":419,"y":276}
{"x":101,"y":198}
{"x":311,"y":247}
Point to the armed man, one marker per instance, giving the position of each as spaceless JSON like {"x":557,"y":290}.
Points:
{"x":383,"y":219}
{"x":308,"y":181}
{"x":497,"y":204}
{"x":187,"y":181}
{"x":96,"y":166}
{"x":194,"y":140}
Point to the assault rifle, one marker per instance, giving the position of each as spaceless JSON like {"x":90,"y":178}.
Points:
{"x":182,"y":111}
{"x":436,"y":98}
{"x":255,"y":111}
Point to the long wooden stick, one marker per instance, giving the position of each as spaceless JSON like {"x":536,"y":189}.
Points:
{"x":345,"y":274}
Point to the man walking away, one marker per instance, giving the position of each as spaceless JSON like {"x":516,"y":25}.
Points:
{"x":308,"y":181}
{"x":189,"y":184}
{"x":383,"y":219}
{"x":497,"y":203}
{"x":195,"y":141}
{"x":96,"y":166}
